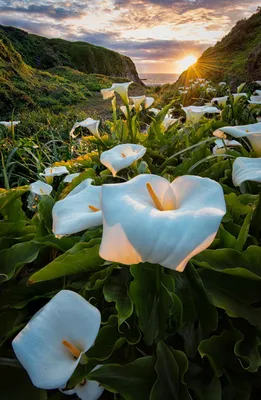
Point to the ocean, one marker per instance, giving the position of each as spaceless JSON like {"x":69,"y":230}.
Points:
{"x":158,"y":79}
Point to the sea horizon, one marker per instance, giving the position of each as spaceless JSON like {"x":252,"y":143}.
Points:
{"x":158,"y":79}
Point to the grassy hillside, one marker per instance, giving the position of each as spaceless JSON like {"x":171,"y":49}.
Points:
{"x":235,"y":59}
{"x":42,"y":53}
{"x":25,"y":87}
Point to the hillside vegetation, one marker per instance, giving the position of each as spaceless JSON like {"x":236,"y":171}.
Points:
{"x":24,"y":86}
{"x":234,"y":59}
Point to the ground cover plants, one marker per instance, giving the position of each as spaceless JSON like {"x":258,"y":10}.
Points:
{"x":130,"y":249}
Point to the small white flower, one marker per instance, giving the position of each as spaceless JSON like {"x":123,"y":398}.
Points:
{"x":220,"y":145}
{"x":122,"y":156}
{"x":40,"y":188}
{"x":120,"y":88}
{"x":89,"y":123}
{"x":9,"y":124}
{"x":137,"y":101}
{"x":69,"y":178}
{"x":155,"y":111}
{"x":195,"y":113}
{"x":107,"y":93}
{"x":52,"y":343}
{"x":222,"y":83}
{"x":80,"y":210}
{"x":124,"y":109}
{"x":87,"y":390}
{"x":54,"y":171}
{"x":167,"y":122}
{"x":149,"y":101}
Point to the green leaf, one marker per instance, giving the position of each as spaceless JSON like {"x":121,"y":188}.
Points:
{"x":45,"y":211}
{"x":171,"y":366}
{"x":11,"y":322}
{"x":116,"y":290}
{"x":15,"y":384}
{"x":133,"y":381}
{"x":199,"y":315}
{"x":80,"y":258}
{"x":9,"y":196}
{"x":242,"y":237}
{"x":16,"y":257}
{"x":212,"y":391}
{"x":219,"y":350}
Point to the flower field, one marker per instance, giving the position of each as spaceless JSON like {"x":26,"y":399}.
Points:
{"x":130,"y":258}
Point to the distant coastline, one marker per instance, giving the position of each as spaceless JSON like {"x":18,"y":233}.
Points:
{"x":158,"y":79}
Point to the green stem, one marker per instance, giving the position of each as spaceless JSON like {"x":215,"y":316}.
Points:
{"x":10,"y":362}
{"x":226,"y":152}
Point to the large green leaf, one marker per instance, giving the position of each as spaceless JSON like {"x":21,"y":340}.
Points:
{"x":116,"y":290}
{"x":133,"y":381}
{"x":9,"y":196}
{"x":171,"y":366}
{"x":16,"y":257}
{"x":204,"y":391}
{"x":83,"y":257}
{"x":199,"y":315}
{"x":11,"y":322}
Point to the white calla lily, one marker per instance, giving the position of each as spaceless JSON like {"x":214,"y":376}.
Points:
{"x":69,"y":178}
{"x":258,"y":82}
{"x":222,"y":83}
{"x":120,"y":88}
{"x":52,"y":343}
{"x":221,"y":144}
{"x":9,"y":124}
{"x":137,"y":101}
{"x":167,"y":122}
{"x":221,"y":101}
{"x":238,"y":96}
{"x":78,"y":211}
{"x":155,"y":111}
{"x":122,"y":156}
{"x":195,"y":113}
{"x":125,"y":111}
{"x":246,"y":169}
{"x":40,"y":188}
{"x":252,"y":132}
{"x":149,"y":101}
{"x":150,"y":220}
{"x":107,"y":93}
{"x":89,"y":123}
{"x":54,"y":171}
{"x":87,"y":390}
{"x":257,"y":92}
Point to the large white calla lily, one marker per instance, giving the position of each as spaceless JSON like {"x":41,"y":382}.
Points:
{"x":221,"y":144}
{"x":69,"y":178}
{"x":87,"y":390}
{"x":9,"y":124}
{"x":40,"y":188}
{"x":122,"y":156}
{"x":80,"y":210}
{"x":150,"y":220}
{"x":252,"y":132}
{"x":255,"y":100}
{"x":54,"y":171}
{"x":195,"y":113}
{"x":246,"y":169}
{"x":149,"y":101}
{"x":137,"y":101}
{"x":89,"y":123}
{"x":120,"y":88}
{"x":52,"y":343}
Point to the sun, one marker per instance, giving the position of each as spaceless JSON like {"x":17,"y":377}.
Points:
{"x":186,"y":62}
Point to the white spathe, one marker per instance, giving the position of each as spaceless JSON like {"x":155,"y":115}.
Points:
{"x":120,"y":88}
{"x":222,"y":83}
{"x":122,"y":156}
{"x":221,"y":144}
{"x":149,"y":101}
{"x":195,"y":113}
{"x":255,"y":100}
{"x":137,"y":101}
{"x":54,"y":171}
{"x":69,"y":178}
{"x":9,"y":124}
{"x":135,"y":230}
{"x":167,"y":122}
{"x":39,"y":346}
{"x":80,"y":210}
{"x":89,"y":123}
{"x":155,"y":111}
{"x":258,"y":82}
{"x":125,"y":111}
{"x":87,"y":390}
{"x":246,"y":169}
{"x":40,"y":188}
{"x":221,"y":101}
{"x":252,"y":132}
{"x":257,"y":92}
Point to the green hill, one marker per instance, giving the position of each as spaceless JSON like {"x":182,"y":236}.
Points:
{"x":42,"y":53}
{"x":235,"y":59}
{"x":26,"y":83}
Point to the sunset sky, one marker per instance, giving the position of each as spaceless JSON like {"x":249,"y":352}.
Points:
{"x":156,"y":34}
